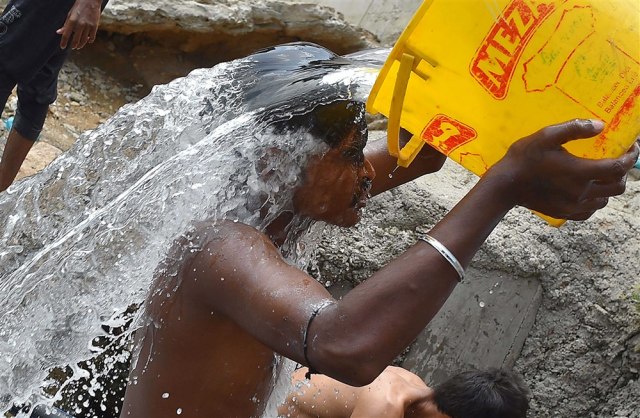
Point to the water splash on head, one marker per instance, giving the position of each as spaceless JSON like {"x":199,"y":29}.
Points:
{"x":80,"y":241}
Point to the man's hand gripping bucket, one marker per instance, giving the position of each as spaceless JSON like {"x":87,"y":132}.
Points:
{"x":471,"y":77}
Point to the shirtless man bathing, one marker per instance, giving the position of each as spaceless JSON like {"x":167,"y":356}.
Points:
{"x":211,"y":349}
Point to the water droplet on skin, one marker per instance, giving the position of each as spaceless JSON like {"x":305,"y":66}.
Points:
{"x":179,"y":411}
{"x":165,"y":395}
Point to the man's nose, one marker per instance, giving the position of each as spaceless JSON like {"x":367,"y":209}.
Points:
{"x":369,"y":171}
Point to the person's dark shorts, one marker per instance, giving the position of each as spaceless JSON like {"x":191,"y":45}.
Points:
{"x":34,"y":97}
{"x":31,"y":57}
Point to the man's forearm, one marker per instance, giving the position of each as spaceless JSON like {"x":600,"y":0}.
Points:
{"x":389,"y":175}
{"x":471,"y":221}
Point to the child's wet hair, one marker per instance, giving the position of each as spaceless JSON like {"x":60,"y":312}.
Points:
{"x":492,"y":393}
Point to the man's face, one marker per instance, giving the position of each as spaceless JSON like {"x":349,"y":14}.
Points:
{"x":336,"y":186}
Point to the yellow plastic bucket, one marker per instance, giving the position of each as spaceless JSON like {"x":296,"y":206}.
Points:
{"x":469,"y":77}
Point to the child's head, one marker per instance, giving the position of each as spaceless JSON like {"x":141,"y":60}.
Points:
{"x":492,"y":393}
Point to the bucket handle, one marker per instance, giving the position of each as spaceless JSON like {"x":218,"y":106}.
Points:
{"x":408,"y":153}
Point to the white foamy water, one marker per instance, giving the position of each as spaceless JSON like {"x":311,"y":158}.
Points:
{"x":80,"y":241}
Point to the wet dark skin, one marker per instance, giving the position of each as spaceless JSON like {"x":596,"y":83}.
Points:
{"x":239,"y":302}
{"x":396,"y":393}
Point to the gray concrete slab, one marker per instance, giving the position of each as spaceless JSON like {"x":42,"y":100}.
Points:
{"x":388,"y":18}
{"x":483,"y":324}
{"x":384,"y":18}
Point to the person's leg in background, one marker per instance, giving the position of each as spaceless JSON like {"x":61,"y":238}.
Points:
{"x":21,"y":138}
{"x":15,"y":152}
{"x":6,"y":86}
{"x":34,"y":99}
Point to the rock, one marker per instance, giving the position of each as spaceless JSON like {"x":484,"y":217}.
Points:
{"x":233,"y":28}
{"x":75,"y":97}
{"x":155,"y":42}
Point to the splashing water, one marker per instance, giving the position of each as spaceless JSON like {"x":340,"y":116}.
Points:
{"x":80,"y":241}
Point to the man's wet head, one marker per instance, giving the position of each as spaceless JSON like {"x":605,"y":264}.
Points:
{"x":336,"y":185}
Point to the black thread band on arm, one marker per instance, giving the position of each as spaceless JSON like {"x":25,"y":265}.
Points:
{"x":311,"y":370}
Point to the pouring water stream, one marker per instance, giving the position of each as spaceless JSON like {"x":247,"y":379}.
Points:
{"x":80,"y":241}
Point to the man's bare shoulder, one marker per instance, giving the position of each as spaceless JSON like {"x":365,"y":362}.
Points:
{"x":223,"y":237}
{"x":232,"y":250}
{"x":229,"y":264}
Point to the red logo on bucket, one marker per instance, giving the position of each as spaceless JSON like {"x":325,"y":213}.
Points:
{"x":447,"y":134}
{"x":496,"y":59}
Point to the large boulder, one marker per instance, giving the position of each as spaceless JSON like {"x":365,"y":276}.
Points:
{"x":233,"y":28}
{"x":165,"y":39}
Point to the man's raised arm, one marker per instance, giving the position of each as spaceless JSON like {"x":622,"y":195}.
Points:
{"x":380,"y":317}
